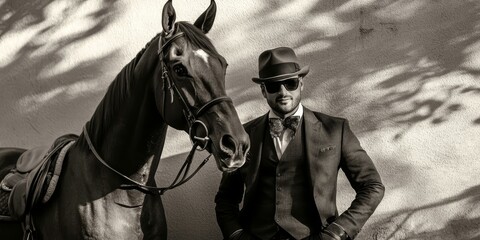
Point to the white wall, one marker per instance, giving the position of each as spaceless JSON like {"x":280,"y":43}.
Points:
{"x":405,"y":73}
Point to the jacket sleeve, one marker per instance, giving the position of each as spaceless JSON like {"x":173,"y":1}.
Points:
{"x":365,"y":180}
{"x":227,"y":202}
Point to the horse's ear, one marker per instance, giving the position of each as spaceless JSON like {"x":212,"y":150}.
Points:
{"x":205,"y":21}
{"x":168,"y":17}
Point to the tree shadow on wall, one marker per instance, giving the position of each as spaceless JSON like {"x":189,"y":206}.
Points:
{"x":36,"y":56}
{"x":417,"y":44}
{"x":397,"y":225}
{"x":428,"y":45}
{"x":17,"y":15}
{"x":26,"y":13}
{"x":28,"y":76}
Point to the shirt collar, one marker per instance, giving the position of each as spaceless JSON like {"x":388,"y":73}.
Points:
{"x":298,"y":113}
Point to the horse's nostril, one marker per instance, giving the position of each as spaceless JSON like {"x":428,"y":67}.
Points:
{"x":228,"y":144}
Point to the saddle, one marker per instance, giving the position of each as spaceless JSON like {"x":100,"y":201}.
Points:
{"x":34,"y":178}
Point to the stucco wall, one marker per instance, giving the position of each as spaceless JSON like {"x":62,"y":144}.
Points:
{"x":404,"y":72}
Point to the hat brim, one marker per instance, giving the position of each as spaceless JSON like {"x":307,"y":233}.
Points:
{"x":302,"y":72}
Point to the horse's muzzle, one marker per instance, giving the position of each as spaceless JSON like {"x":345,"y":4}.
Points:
{"x":232,"y":152}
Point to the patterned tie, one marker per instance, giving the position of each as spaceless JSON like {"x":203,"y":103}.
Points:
{"x":277,"y":125}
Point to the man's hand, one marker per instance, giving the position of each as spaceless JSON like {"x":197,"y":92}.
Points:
{"x":334,"y":232}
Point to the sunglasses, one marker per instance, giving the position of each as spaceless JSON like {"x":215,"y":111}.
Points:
{"x":290,"y":84}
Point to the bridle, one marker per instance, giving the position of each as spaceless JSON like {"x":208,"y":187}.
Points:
{"x":192,"y":117}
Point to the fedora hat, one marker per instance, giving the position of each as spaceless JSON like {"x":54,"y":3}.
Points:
{"x":278,"y":64}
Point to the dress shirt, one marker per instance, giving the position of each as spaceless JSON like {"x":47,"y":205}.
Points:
{"x":286,"y":136}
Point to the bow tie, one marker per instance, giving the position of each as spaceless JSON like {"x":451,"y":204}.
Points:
{"x":277,"y":125}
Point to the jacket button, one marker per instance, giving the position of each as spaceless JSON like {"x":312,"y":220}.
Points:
{"x":278,"y":189}
{"x":279,"y":174}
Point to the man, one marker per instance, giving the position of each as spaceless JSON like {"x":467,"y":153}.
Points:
{"x":290,"y":175}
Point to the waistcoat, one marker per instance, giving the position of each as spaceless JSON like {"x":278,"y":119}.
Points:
{"x":284,"y":196}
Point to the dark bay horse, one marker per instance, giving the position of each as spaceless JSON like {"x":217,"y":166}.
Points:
{"x":178,"y":80}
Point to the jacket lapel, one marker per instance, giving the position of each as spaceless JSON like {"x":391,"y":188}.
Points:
{"x":315,"y":138}
{"x":257,"y":133}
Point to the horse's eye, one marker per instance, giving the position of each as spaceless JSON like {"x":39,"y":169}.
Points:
{"x":180,"y":70}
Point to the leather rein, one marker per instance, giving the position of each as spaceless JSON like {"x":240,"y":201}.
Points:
{"x":199,"y":143}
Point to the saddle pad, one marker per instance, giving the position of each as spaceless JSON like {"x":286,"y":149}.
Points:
{"x":4,"y":212}
{"x":38,"y":185}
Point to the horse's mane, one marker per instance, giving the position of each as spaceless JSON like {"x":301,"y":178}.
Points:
{"x":116,"y":94}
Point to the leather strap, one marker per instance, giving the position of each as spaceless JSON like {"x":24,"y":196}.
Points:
{"x":143,"y":187}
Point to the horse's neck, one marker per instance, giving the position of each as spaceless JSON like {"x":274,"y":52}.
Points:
{"x":127,"y":126}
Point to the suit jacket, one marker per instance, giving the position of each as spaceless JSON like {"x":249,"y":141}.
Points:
{"x":330,"y":145}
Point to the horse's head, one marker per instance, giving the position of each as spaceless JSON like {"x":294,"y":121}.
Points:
{"x":192,"y":89}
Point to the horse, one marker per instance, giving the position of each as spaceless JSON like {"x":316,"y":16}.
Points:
{"x":107,"y":188}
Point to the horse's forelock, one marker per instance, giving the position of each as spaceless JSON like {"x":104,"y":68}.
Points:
{"x":199,"y":40}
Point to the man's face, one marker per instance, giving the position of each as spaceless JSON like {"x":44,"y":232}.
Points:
{"x":282,"y":96}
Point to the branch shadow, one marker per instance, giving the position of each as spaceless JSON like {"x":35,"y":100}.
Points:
{"x":418,"y":50}
{"x":19,"y":15}
{"x":30,"y":77}
{"x":397,"y":225}
{"x":428,"y":56}
{"x":23,"y":14}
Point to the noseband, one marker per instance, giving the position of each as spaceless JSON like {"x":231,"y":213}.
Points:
{"x":191,"y":115}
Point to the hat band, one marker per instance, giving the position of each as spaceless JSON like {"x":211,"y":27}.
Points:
{"x":279,"y":69}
